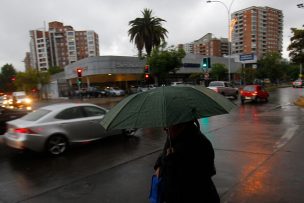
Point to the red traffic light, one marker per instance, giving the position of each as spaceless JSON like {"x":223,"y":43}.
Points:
{"x":79,"y":72}
{"x":147,"y":76}
{"x":147,"y":69}
{"x":13,"y":78}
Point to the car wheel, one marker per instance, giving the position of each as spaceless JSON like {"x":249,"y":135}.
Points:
{"x":129,"y":132}
{"x":266,"y":99}
{"x":56,"y":145}
{"x":242,"y":101}
{"x":258,"y":100}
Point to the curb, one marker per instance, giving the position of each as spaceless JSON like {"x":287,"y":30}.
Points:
{"x":299,"y":101}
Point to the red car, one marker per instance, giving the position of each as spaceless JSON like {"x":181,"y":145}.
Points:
{"x":255,"y":93}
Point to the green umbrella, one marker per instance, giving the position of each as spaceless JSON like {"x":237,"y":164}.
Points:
{"x":166,"y":106}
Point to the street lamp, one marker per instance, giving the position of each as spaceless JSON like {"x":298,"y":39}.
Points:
{"x":229,"y":45}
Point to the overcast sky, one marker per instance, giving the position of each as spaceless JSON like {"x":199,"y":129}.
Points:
{"x":186,"y":21}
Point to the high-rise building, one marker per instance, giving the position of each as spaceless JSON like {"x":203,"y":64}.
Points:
{"x":27,"y":60}
{"x":38,"y":49}
{"x":61,"y":45}
{"x":207,"y":45}
{"x":257,"y":30}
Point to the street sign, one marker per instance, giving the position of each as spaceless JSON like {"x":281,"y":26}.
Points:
{"x":246,"y":57}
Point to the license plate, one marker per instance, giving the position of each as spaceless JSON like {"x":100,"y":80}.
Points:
{"x":247,"y":97}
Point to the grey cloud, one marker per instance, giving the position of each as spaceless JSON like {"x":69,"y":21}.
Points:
{"x":186,"y":21}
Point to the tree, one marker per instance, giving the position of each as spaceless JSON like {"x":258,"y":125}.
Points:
{"x":270,"y":66}
{"x":147,"y":32}
{"x":296,"y":46}
{"x":55,"y":69}
{"x":291,"y":72}
{"x":218,"y":71}
{"x":31,"y":79}
{"x":7,"y":84}
{"x":163,"y":61}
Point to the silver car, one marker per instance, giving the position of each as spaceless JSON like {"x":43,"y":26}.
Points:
{"x":55,"y":127}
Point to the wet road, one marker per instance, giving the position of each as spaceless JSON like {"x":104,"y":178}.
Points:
{"x":258,"y":152}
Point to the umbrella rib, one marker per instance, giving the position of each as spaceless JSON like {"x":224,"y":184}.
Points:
{"x":141,"y":106}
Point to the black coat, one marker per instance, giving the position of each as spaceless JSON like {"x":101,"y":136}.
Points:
{"x":187,"y":172}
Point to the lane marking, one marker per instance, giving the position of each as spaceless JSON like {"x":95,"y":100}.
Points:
{"x":290,"y":132}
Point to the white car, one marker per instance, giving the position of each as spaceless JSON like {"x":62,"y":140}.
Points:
{"x":55,"y":127}
{"x":224,"y":88}
{"x":114,"y":91}
{"x":145,"y":88}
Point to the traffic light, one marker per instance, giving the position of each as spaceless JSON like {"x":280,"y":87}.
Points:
{"x":13,"y":78}
{"x":78,"y":81}
{"x":79,"y":72}
{"x":147,"y":69}
{"x":147,"y":76}
{"x":206,"y":63}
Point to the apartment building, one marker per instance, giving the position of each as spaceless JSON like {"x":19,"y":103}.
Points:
{"x":38,"y":50}
{"x":27,"y":61}
{"x":257,"y":30}
{"x":208,"y":45}
{"x":61,"y":45}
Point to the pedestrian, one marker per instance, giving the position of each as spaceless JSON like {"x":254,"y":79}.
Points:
{"x":186,"y":166}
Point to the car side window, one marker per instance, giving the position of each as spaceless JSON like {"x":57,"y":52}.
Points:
{"x":93,"y":111}
{"x":70,"y":113}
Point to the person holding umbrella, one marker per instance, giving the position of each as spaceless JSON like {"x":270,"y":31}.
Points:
{"x":187,"y":162}
{"x":186,"y":166}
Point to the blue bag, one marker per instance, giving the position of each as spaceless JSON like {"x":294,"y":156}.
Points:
{"x":156,"y":190}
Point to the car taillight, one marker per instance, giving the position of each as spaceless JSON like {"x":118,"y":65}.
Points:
{"x":24,"y":131}
{"x":255,"y":93}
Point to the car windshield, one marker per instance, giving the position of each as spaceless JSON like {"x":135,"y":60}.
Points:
{"x":249,"y":88}
{"x":35,"y":115}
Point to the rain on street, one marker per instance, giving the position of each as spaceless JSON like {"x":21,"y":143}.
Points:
{"x":247,"y":144}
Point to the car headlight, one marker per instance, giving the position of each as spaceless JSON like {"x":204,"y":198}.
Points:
{"x":27,"y":100}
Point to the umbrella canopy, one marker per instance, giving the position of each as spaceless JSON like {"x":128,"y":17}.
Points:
{"x":166,"y":106}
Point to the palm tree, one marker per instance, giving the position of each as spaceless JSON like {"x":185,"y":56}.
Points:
{"x":147,"y":32}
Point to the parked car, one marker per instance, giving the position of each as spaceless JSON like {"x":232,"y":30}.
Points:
{"x":255,"y":93}
{"x":55,"y":127}
{"x":224,"y":88}
{"x":95,"y":92}
{"x":145,"y":88}
{"x":114,"y":91}
{"x":7,"y":115}
{"x":298,"y":83}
